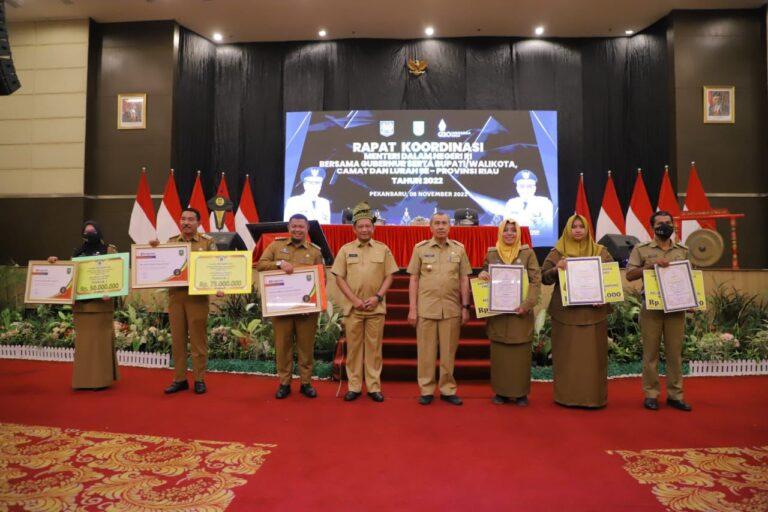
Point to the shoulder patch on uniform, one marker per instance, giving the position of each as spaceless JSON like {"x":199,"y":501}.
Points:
{"x":525,"y":246}
{"x":281,"y":238}
{"x":457,"y":243}
{"x":492,"y":249}
{"x":643,"y":244}
{"x":422,"y":243}
{"x":112,"y":246}
{"x":681,"y":245}
{"x":315,"y":246}
{"x":206,"y":237}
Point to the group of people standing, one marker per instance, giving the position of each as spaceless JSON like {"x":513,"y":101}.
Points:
{"x":439,"y":304}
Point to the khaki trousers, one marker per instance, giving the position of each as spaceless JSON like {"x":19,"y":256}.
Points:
{"x":301,"y":329}
{"x":364,"y":334}
{"x":188,"y":316}
{"x":431,"y":334}
{"x":654,"y":325}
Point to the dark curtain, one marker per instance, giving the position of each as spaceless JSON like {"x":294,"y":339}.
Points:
{"x":611,"y":95}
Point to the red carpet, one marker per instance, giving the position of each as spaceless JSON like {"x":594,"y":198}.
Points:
{"x":332,"y":455}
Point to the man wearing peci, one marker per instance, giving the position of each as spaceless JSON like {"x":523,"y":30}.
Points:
{"x":657,"y":324}
{"x":439,"y":305}
{"x":364,"y":271}
{"x":309,"y":203}
{"x":188,"y":314}
{"x":286,"y":254}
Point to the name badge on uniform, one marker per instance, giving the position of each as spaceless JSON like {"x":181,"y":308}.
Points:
{"x":285,"y":250}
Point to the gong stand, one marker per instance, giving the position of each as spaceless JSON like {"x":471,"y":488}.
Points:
{"x":720,"y":213}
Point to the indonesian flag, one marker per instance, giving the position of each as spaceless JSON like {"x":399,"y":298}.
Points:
{"x":169,"y":214}
{"x":582,"y":206}
{"x":639,"y":212}
{"x":695,"y":200}
{"x":142,"y":226}
{"x":197,"y":201}
{"x":610,"y":221}
{"x":229,"y":218}
{"x":667,"y":197}
{"x":246,"y":214}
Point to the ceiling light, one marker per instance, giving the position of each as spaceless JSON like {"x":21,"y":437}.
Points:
{"x":218,"y":37}
{"x":629,"y":32}
{"x":322,"y":33}
{"x":539,"y":31}
{"x":429,"y":31}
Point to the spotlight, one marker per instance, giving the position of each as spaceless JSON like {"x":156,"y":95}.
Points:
{"x":629,"y":32}
{"x":322,"y":33}
{"x":539,"y":31}
{"x":218,"y":37}
{"x":429,"y":31}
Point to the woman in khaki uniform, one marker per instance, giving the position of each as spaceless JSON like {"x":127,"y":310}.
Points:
{"x":511,"y":334}
{"x":579,"y":333}
{"x":95,"y":365}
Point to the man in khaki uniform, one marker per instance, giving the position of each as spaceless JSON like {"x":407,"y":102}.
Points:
{"x":655,"y":324}
{"x":286,"y":254}
{"x":188,"y":314}
{"x":364,"y":271}
{"x":439,"y":306}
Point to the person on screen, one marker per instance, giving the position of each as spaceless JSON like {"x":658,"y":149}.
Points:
{"x":579,"y":333}
{"x":309,"y":203}
{"x":536,"y":212}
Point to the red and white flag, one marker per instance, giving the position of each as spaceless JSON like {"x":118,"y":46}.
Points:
{"x":610,"y":220}
{"x":639,"y":212}
{"x":695,"y":200}
{"x":582,"y":206}
{"x":142,"y":225}
{"x":169,"y":214}
{"x":229,"y":217}
{"x":197,"y":201}
{"x":246,"y":214}
{"x":667,"y":197}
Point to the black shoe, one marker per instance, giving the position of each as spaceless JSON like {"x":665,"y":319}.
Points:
{"x":175,"y":387}
{"x":521,"y":401}
{"x":499,"y":400}
{"x":308,"y":391}
{"x":651,"y":404}
{"x":679,"y":405}
{"x":376,"y":396}
{"x":283,"y":390}
{"x":351,"y":395}
{"x":425,"y":399}
{"x":451,"y":399}
{"x":199,"y":387}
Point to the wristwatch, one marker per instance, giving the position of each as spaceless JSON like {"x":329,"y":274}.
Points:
{"x":379,"y":298}
{"x":466,"y":306}
{"x":279,"y":263}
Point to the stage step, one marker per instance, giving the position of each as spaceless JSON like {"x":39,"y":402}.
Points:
{"x":399,"y":348}
{"x":400,"y":328}
{"x":465,"y":369}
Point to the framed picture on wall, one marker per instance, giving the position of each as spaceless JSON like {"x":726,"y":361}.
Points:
{"x":131,"y":111}
{"x":719,"y":104}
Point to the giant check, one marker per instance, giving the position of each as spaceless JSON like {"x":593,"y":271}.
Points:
{"x":303,"y":291}
{"x":211,"y":272}
{"x":100,"y":276}
{"x":50,"y":283}
{"x":159,"y":267}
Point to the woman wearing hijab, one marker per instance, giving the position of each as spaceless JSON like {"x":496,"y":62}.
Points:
{"x":511,"y":334}
{"x":95,"y":364}
{"x":579,"y":333}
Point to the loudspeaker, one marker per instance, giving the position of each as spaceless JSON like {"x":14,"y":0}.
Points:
{"x":9,"y":82}
{"x":619,"y":247}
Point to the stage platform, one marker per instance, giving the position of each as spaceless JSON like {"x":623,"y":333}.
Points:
{"x":238,"y":448}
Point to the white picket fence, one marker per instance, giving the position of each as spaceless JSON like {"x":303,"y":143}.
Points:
{"x":124,"y":357}
{"x":727,"y":368}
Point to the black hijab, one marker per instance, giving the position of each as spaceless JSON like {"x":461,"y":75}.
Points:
{"x":91,"y":247}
